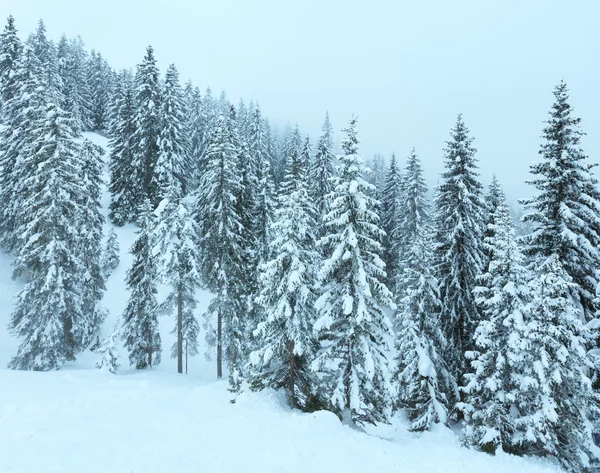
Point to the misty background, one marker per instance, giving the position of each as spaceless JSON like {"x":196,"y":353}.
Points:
{"x":405,"y":69}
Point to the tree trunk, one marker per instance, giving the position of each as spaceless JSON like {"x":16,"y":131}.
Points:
{"x":219,"y":346}
{"x":292,"y":369}
{"x":179,"y":332}
{"x":186,"y":356}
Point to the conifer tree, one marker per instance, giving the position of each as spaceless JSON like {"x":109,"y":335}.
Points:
{"x":284,"y":339}
{"x":351,"y":309}
{"x":390,"y":200}
{"x":559,"y":407}
{"x":221,"y":230}
{"x":72,"y":63}
{"x":147,"y":128}
{"x":321,"y":173}
{"x":173,"y":162}
{"x":495,"y":384}
{"x":109,"y":351}
{"x":140,"y":319}
{"x":90,"y":226}
{"x":49,"y":316}
{"x":458,"y":246}
{"x":425,"y":388}
{"x":177,"y":238}
{"x":99,"y":84}
{"x":110,"y":256}
{"x":264,"y":200}
{"x":565,"y":213}
{"x":10,"y":50}
{"x":125,"y":190}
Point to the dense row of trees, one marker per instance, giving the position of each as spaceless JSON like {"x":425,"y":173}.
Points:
{"x":348,"y":288}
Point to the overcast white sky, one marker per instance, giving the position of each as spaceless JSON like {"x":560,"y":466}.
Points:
{"x":405,"y":68}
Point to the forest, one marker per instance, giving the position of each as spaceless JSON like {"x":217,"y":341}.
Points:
{"x":345,"y":282}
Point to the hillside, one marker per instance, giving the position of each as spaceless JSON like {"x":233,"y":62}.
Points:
{"x":80,"y":419}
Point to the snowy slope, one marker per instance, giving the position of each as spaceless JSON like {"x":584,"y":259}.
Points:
{"x":82,"y":420}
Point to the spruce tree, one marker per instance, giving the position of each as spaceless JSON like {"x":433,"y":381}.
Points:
{"x":494,"y":385}
{"x":353,"y":362}
{"x":90,"y":226}
{"x":221,"y":230}
{"x":458,"y":255}
{"x":559,"y":408}
{"x":173,"y":162}
{"x":109,"y":351}
{"x":110,"y":256}
{"x":140,"y":318}
{"x":284,"y":339}
{"x":177,"y":237}
{"x":425,"y":388}
{"x":10,"y":50}
{"x":321,"y":173}
{"x":99,"y":83}
{"x":49,"y":316}
{"x":565,"y":213}
{"x":147,"y":128}
{"x":390,"y":200}
{"x":125,"y":188}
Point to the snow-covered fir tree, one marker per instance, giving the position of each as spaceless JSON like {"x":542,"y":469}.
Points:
{"x":495,"y":383}
{"x":321,"y":173}
{"x":353,"y":362}
{"x":425,"y":388}
{"x":110,"y":256}
{"x":140,"y":318}
{"x":284,"y":339}
{"x":221,"y":230}
{"x":264,"y":200}
{"x":458,"y":255}
{"x":90,"y":229}
{"x":173,"y":160}
{"x":49,"y":317}
{"x":72,"y":61}
{"x":292,"y":142}
{"x":147,"y":103}
{"x":177,"y":239}
{"x":109,"y":351}
{"x":391,"y":197}
{"x":99,"y":82}
{"x":565,"y":212}
{"x":10,"y":50}
{"x":125,"y":192}
{"x":558,"y":410}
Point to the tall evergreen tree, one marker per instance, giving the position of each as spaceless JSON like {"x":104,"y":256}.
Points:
{"x":390,"y":200}
{"x":351,"y":309}
{"x":221,"y":230}
{"x":321,"y":173}
{"x":90,"y":226}
{"x":125,"y":191}
{"x":425,"y":388}
{"x":147,"y":127}
{"x":286,"y":344}
{"x":495,"y":384}
{"x":177,"y":238}
{"x":10,"y":50}
{"x":559,"y":408}
{"x":173,"y":162}
{"x":565,"y":213}
{"x":72,"y":59}
{"x":49,"y":316}
{"x":458,"y":251}
{"x":99,"y":84}
{"x":140,"y":318}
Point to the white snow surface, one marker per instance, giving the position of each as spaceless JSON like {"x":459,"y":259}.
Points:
{"x":80,"y":419}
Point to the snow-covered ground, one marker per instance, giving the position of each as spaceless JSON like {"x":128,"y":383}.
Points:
{"x":82,"y":420}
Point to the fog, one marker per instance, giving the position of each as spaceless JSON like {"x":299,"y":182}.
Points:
{"x":406,"y":69}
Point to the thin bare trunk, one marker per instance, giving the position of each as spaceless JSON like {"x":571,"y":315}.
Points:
{"x":179,"y":332}
{"x":219,"y":346}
